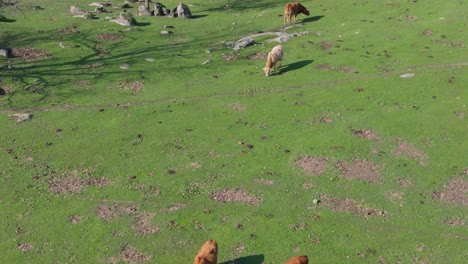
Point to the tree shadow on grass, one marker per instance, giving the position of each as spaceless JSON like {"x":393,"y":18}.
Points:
{"x":311,"y":19}
{"x":254,"y":259}
{"x":296,"y":65}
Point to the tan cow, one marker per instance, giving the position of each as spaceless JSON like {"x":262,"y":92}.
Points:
{"x":275,"y":56}
{"x":208,"y":253}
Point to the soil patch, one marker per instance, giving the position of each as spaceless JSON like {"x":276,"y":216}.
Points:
{"x":263,"y":181}
{"x":25,"y":247}
{"x":74,"y":181}
{"x":130,"y":254}
{"x":136,"y":86}
{"x":237,"y":195}
{"x":404,"y":182}
{"x":142,"y":224}
{"x":359,"y":169}
{"x":454,"y":192}
{"x":237,"y":106}
{"x":406,"y":149}
{"x":109,"y":37}
{"x":312,"y":165}
{"x":29,"y":53}
{"x":75,"y":219}
{"x":366,"y":134}
{"x":110,"y":212}
{"x":456,"y":222}
{"x":351,"y":206}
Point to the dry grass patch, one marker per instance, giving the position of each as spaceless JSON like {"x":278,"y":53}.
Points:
{"x":31,"y":54}
{"x":75,"y":181}
{"x":237,"y":195}
{"x":405,"y":149}
{"x":454,"y":192}
{"x":131,"y":255}
{"x":359,"y":169}
{"x":351,"y":206}
{"x":312,"y":165}
{"x":366,"y":134}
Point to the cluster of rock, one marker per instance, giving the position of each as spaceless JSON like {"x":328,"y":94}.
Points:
{"x":181,"y":11}
{"x":125,"y":18}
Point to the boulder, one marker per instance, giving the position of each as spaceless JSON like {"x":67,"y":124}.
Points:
{"x":76,"y":10}
{"x":181,"y":11}
{"x":125,"y":19}
{"x":7,"y":52}
{"x":243,"y":42}
{"x":142,"y":11}
{"x":161,"y":10}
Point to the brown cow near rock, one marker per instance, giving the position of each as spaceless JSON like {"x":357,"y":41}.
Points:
{"x":294,"y":9}
{"x":298,"y":260}
{"x":208,"y":253}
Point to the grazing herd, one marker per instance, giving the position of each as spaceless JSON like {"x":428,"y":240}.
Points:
{"x":208,"y":254}
{"x":275,"y":56}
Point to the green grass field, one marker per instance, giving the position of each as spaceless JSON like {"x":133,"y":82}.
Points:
{"x":140,"y":146}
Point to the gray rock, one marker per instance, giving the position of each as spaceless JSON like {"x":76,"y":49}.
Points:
{"x":76,"y":10}
{"x":182,"y":11}
{"x":7,"y":52}
{"x":161,"y":10}
{"x":243,"y":42}
{"x":125,"y":19}
{"x":142,"y":11}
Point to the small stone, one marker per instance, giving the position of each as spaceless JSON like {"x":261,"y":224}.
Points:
{"x":407,"y":75}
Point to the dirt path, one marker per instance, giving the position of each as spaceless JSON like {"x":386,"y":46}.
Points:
{"x":305,"y":86}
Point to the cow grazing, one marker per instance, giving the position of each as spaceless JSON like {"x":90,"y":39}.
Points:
{"x":208,"y":253}
{"x":298,"y":260}
{"x":275,"y":56}
{"x":294,"y":9}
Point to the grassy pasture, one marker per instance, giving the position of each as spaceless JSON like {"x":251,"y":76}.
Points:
{"x":138,"y":151}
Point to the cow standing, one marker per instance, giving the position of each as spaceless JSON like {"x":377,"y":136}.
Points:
{"x":294,"y":9}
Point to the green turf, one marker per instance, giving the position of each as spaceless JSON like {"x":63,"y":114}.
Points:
{"x":169,"y":131}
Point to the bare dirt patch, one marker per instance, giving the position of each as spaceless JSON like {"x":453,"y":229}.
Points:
{"x":131,"y":255}
{"x":366,"y":134}
{"x":405,"y":149}
{"x":25,"y":247}
{"x":74,"y":181}
{"x":109,"y":37}
{"x":325,"y":67}
{"x":29,"y":53}
{"x":75,"y":219}
{"x":359,"y":169}
{"x":136,"y":86}
{"x":237,"y":106}
{"x":454,"y":192}
{"x":229,"y":57}
{"x":455,"y":222}
{"x":395,"y":196}
{"x":237,"y":195}
{"x":312,"y":165}
{"x":110,"y":212}
{"x":351,"y":206}
{"x":142,"y":224}
{"x":404,"y":182}
{"x":257,"y":56}
{"x":263,"y":181}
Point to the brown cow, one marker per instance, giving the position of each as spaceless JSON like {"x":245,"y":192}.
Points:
{"x":294,"y":9}
{"x":208,"y":253}
{"x":298,"y":260}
